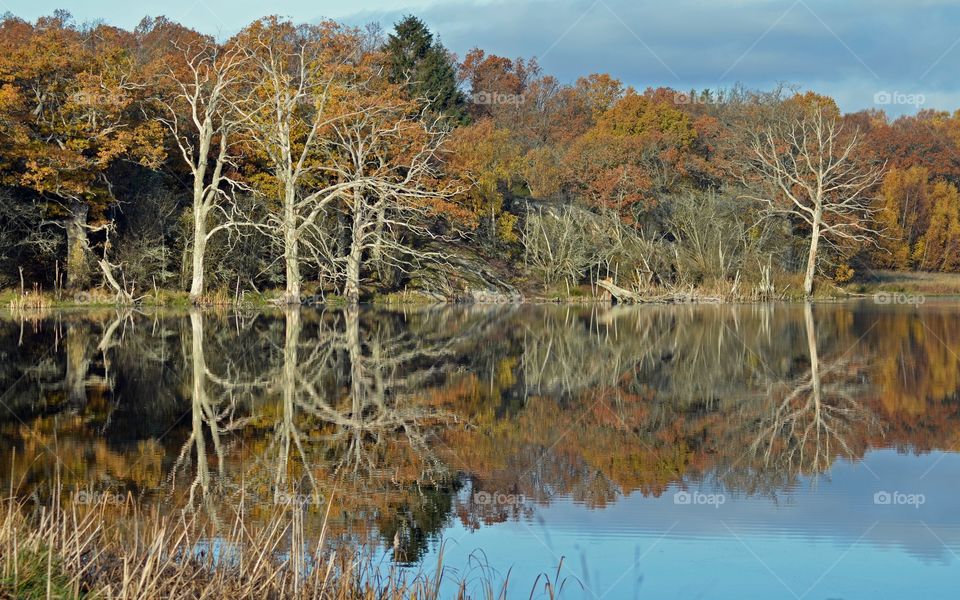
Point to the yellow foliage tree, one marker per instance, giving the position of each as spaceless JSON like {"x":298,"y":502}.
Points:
{"x":486,"y":159}
{"x":941,"y":242}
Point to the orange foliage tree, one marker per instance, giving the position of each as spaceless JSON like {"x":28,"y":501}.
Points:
{"x":70,"y":111}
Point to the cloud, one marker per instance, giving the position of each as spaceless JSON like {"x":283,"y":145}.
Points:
{"x":851,"y":49}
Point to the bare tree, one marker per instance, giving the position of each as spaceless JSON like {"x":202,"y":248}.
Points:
{"x":556,"y":245}
{"x":714,"y":236}
{"x":298,"y":74}
{"x":203,"y":123}
{"x":23,"y":236}
{"x":391,"y":155}
{"x":814,"y":173}
{"x":565,"y":243}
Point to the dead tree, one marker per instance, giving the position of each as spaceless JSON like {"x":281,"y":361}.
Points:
{"x":391,"y":158}
{"x":298,"y":76}
{"x":813,"y":172}
{"x":201,"y":119}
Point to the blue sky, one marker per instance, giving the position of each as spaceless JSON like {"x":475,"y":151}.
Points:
{"x":898,"y":55}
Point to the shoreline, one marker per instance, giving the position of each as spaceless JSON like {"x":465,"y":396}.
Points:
{"x":837,"y":299}
{"x":909,"y":284}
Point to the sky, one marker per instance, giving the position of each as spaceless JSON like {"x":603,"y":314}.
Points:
{"x":896,"y":55}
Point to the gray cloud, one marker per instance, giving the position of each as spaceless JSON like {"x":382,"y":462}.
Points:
{"x":851,"y":50}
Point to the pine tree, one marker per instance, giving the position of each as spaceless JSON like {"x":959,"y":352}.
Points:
{"x":415,"y":58}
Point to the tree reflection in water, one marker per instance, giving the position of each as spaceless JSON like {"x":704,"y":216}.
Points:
{"x":213,"y":416}
{"x":409,"y":419}
{"x":806,"y":429}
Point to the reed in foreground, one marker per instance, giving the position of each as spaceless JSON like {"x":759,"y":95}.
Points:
{"x":123,"y":551}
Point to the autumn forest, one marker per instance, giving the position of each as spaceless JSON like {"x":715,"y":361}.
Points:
{"x":310,"y":162}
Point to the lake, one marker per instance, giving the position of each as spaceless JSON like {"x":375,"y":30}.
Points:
{"x":719,"y":451}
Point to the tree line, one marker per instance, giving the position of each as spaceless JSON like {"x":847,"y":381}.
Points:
{"x":328,"y":159}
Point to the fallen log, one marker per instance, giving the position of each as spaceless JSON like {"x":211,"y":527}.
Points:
{"x":620,"y":295}
{"x":123,"y":296}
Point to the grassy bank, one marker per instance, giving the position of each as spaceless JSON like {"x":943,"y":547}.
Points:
{"x":97,"y":298}
{"x":916,"y":283}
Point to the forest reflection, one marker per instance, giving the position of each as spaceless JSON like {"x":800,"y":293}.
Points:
{"x":404,"y":420}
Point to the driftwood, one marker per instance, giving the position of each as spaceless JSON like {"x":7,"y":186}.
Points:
{"x":123,"y":296}
{"x":620,"y":295}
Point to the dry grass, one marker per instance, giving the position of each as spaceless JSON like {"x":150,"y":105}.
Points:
{"x":26,"y":300}
{"x":218,"y":297}
{"x":914,"y":282}
{"x":118,"y":551}
{"x":123,"y":551}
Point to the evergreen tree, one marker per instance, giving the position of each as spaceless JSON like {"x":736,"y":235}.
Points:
{"x":416,"y":58}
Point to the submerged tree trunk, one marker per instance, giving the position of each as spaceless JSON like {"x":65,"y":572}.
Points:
{"x":77,"y":365}
{"x":199,"y":405}
{"x":357,"y":375}
{"x":814,"y":355}
{"x":78,"y":264}
{"x":288,"y":385}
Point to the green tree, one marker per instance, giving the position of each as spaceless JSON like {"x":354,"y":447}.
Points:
{"x":419,"y":61}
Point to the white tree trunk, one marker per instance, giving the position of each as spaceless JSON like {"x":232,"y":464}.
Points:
{"x":200,"y":110}
{"x":812,"y":256}
{"x":352,"y":288}
{"x":291,"y":250}
{"x":199,"y":253}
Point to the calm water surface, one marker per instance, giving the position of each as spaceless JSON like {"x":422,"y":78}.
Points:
{"x":773,"y":451}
